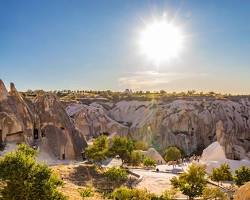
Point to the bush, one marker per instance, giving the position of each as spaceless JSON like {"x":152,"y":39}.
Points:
{"x":140,"y":145}
{"x":172,"y":154}
{"x":221,"y":173}
{"x":148,"y":162}
{"x":98,"y":151}
{"x":24,"y":178}
{"x":167,"y":195}
{"x":116,"y":174}
{"x":86,"y":192}
{"x":191,"y":182}
{"x":213,"y":193}
{"x":124,"y":193}
{"x":242,"y":175}
{"x":136,"y":158}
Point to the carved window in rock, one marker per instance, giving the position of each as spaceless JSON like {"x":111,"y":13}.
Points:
{"x":36,"y":134}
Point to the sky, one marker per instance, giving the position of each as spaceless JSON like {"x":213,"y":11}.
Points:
{"x":80,"y":44}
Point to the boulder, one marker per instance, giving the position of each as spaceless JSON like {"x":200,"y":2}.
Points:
{"x":243,"y":193}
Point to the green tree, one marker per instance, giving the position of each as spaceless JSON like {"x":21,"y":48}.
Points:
{"x":210,"y":193}
{"x":172,"y":154}
{"x":98,"y":151}
{"x":242,"y":175}
{"x":123,"y":147}
{"x":148,"y":162}
{"x":221,"y":173}
{"x":191,"y":182}
{"x":24,"y":178}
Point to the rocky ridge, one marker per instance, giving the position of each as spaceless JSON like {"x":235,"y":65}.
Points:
{"x":191,"y":125}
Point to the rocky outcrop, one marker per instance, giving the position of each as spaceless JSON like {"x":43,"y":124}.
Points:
{"x":243,"y":193}
{"x":16,"y":120}
{"x":189,"y":124}
{"x":57,"y":132}
{"x":43,"y":123}
{"x":92,"y":120}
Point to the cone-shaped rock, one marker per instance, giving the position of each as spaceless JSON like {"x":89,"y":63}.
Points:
{"x":3,"y":91}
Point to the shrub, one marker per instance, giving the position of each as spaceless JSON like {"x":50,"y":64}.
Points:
{"x":116,"y":174}
{"x":221,"y":173}
{"x":86,"y":192}
{"x":213,"y":193}
{"x":191,"y":182}
{"x":124,"y":193}
{"x":136,"y":158}
{"x":98,"y":151}
{"x":148,"y":162}
{"x":24,"y":178}
{"x":167,"y":195}
{"x":242,"y":175}
{"x":140,"y":145}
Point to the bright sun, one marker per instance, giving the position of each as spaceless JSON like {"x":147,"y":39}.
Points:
{"x":161,"y":41}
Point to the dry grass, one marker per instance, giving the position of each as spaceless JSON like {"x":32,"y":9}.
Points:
{"x":79,"y":176}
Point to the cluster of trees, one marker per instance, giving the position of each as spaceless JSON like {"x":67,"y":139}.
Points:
{"x":193,"y":181}
{"x":223,"y":173}
{"x":126,"y":95}
{"x":126,"y":149}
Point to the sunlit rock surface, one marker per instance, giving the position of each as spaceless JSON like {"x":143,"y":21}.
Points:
{"x":189,"y":124}
{"x":213,"y":156}
{"x":43,"y":123}
{"x":243,"y":193}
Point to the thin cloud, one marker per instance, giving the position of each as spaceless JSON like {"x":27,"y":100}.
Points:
{"x":152,"y":79}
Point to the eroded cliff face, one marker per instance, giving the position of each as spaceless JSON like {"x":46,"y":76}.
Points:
{"x":190,"y":125}
{"x":93,"y":120}
{"x":43,"y":123}
{"x":16,"y":120}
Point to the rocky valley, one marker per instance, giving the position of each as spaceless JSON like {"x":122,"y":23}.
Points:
{"x":61,"y":128}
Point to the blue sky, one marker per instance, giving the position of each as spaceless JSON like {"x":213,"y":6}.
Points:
{"x":70,"y":44}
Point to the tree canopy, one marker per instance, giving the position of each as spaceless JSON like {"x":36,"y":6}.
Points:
{"x":191,"y":182}
{"x":242,"y":175}
{"x":172,"y":154}
{"x":221,"y":173}
{"x":121,"y":146}
{"x":98,"y":151}
{"x":24,"y":178}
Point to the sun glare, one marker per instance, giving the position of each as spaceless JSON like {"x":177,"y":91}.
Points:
{"x":161,"y":41}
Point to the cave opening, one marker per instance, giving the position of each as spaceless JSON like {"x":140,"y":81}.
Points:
{"x":35,"y":132}
{"x":43,"y":133}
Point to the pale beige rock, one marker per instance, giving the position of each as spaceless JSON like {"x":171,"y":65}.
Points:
{"x":243,"y":193}
{"x":43,"y":123}
{"x":188,"y":124}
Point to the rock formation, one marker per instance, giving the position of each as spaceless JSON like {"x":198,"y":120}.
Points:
{"x":42,"y":123}
{"x":188,"y":124}
{"x":243,"y":193}
{"x":92,"y":120}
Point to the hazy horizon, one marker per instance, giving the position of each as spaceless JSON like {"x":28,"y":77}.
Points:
{"x":53,"y":45}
